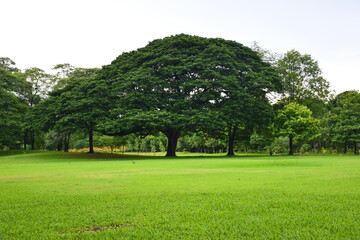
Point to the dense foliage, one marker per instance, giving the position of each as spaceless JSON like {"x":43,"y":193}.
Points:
{"x":187,"y":83}
{"x":180,"y":93}
{"x":345,"y":119}
{"x":296,"y":122}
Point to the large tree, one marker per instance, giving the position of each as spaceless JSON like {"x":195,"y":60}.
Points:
{"x":179,"y":83}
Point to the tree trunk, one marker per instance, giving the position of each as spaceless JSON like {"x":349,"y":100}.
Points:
{"x":25,"y":137}
{"x":345,"y":148}
{"x":67,"y":142}
{"x":91,"y":141}
{"x":32,"y":136}
{"x":172,"y":136}
{"x":356,"y":149}
{"x":60,"y":144}
{"x":231,"y":135}
{"x":291,"y":148}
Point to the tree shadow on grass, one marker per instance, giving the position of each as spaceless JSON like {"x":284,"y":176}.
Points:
{"x":53,"y":156}
{"x":127,"y":157}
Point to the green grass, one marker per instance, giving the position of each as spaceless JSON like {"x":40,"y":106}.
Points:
{"x":81,"y":196}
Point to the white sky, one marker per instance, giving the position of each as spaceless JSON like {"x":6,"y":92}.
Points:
{"x":92,"y":33}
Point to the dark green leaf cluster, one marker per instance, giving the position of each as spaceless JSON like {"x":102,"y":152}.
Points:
{"x":345,"y":118}
{"x":173,"y":84}
{"x":208,"y":90}
{"x":12,"y":105}
{"x":79,"y":104}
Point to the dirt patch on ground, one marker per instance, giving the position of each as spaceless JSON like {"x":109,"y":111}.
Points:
{"x":104,"y":228}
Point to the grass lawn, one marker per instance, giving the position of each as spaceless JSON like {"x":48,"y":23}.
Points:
{"x":80,"y":196}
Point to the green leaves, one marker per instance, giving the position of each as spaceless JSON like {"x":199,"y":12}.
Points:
{"x":296,"y":120}
{"x":345,"y":118}
{"x":301,"y":77}
{"x":174,"y":83}
{"x":12,"y":105}
{"x":78,"y":104}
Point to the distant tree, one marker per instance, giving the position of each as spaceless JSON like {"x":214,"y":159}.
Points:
{"x":179,"y":83}
{"x":12,"y":105}
{"x":301,"y":78}
{"x":244,"y":114}
{"x":297,"y":123}
{"x":256,"y":140}
{"x":111,"y":142}
{"x":78,"y":105}
{"x":11,"y":119}
{"x":8,"y":65}
{"x":265,"y":54}
{"x":62,"y":75}
{"x":279,"y":145}
{"x":60,"y":134}
{"x":161,"y":146}
{"x":55,"y":140}
{"x":304,"y":84}
{"x":39,"y":84}
{"x":345,"y":119}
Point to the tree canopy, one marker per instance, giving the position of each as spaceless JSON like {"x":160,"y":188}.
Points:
{"x":176,"y":84}
{"x":77,"y":105}
{"x":12,"y":104}
{"x":301,"y":78}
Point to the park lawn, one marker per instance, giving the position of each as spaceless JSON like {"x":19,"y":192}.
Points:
{"x":81,"y":196}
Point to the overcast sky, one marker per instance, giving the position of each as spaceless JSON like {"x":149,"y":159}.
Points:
{"x":89,"y":33}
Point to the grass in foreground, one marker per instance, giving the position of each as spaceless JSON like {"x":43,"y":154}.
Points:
{"x":80,"y":196}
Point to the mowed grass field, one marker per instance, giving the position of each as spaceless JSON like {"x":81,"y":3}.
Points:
{"x":81,"y":196}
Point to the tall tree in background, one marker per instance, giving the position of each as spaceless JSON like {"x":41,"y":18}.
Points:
{"x":8,"y":65}
{"x":345,"y":119}
{"x":62,"y":75}
{"x":301,"y":78}
{"x":266,"y":55}
{"x":12,"y":105}
{"x":39,"y":84}
{"x":78,"y":105}
{"x":178,"y":84}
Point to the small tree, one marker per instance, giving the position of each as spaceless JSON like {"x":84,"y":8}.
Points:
{"x":296,"y":122}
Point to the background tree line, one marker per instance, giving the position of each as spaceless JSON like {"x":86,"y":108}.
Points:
{"x":180,"y":93}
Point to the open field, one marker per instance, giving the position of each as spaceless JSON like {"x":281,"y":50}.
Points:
{"x":80,"y":196}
